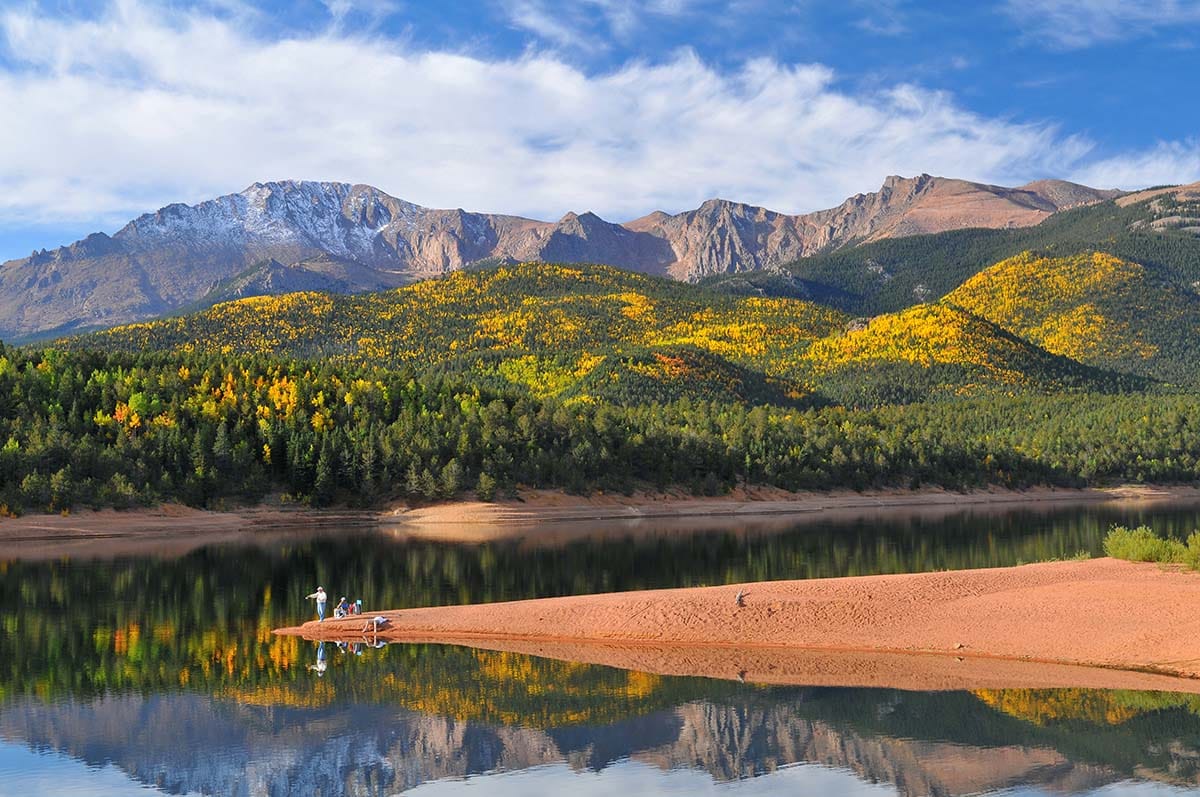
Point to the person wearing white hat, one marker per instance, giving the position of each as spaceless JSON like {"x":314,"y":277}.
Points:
{"x":320,"y":597}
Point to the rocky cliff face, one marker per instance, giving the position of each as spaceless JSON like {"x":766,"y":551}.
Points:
{"x":182,"y":254}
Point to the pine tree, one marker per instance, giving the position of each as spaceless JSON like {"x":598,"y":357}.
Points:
{"x":222,"y":451}
{"x":485,"y":490}
{"x":452,"y":477}
{"x":325,"y":483}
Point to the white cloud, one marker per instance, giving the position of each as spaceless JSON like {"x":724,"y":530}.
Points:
{"x":883,"y":17}
{"x":372,"y":12}
{"x":588,"y":25}
{"x":1071,"y":24}
{"x":145,"y":106}
{"x":1167,"y":163}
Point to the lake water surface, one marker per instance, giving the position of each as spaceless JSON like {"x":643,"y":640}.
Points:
{"x":157,"y":670}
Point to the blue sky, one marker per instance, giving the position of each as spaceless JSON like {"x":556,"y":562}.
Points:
{"x":538,"y":107}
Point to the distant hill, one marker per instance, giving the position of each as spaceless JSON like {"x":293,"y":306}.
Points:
{"x":322,"y":273}
{"x":190,"y":255}
{"x":588,"y":332}
{"x":1094,"y":308}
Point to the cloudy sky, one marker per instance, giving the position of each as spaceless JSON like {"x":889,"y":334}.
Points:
{"x":538,"y":107}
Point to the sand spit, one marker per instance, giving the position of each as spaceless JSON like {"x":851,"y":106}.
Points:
{"x":1100,"y":623}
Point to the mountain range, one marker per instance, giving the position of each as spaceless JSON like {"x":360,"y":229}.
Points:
{"x":285,"y":236}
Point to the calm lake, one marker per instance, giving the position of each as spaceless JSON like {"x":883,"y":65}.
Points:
{"x":155,"y":669}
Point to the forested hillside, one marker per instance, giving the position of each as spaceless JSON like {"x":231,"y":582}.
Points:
{"x":97,"y":429}
{"x":1095,"y":308}
{"x":596,"y":333}
{"x":588,"y":377}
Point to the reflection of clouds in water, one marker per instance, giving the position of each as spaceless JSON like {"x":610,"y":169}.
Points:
{"x":1128,"y":789}
{"x":26,"y":773}
{"x":631,"y":777}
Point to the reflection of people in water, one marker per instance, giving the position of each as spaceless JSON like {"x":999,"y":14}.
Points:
{"x":372,"y":626}
{"x":320,"y":665}
{"x":320,"y":597}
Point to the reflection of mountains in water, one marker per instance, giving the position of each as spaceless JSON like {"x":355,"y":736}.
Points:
{"x":192,"y":743}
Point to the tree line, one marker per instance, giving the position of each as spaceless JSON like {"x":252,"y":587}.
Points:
{"x":81,"y":428}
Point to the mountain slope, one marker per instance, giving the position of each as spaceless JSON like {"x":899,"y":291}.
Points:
{"x":938,"y":351}
{"x":322,"y":273}
{"x":1094,"y":308}
{"x":546,"y":329}
{"x":181,"y":255}
{"x":1159,"y":229}
{"x":595,"y":332}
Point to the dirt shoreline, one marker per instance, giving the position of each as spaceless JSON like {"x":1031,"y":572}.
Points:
{"x":1099,"y":623}
{"x":169,"y":529}
{"x":553,"y":511}
{"x":549,"y":512}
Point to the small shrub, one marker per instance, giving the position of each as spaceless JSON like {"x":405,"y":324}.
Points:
{"x":1191,"y":554}
{"x":1143,"y":545}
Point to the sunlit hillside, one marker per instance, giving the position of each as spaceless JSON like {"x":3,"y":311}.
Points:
{"x":1094,"y":308}
{"x":545,"y":328}
{"x":936,"y":350}
{"x":594,"y":332}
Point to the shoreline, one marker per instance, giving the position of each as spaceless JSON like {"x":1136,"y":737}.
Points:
{"x":551,"y":511}
{"x":167,"y":529}
{"x":1102,"y":623}
{"x":548,"y":509}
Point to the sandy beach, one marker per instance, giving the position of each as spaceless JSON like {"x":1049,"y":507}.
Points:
{"x":1100,"y":623}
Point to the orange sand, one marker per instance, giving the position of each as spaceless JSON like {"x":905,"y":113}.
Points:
{"x":1101,"y":623}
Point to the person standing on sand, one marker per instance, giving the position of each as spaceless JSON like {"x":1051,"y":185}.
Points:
{"x":320,"y":598}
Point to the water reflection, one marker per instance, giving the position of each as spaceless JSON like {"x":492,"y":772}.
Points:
{"x":163,"y":669}
{"x":391,"y":720}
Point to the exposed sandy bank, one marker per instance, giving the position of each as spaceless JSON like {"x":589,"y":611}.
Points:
{"x":551,"y":510}
{"x":1041,"y":625}
{"x":166,"y":529}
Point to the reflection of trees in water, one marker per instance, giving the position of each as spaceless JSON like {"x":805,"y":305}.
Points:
{"x":186,"y":643}
{"x":188,"y":742}
{"x":203,"y":621}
